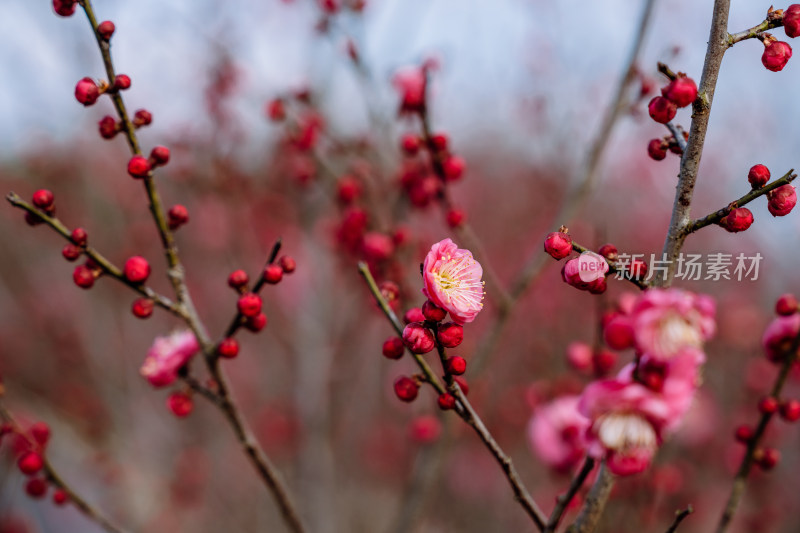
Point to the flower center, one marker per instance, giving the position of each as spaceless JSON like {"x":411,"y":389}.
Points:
{"x":622,"y":432}
{"x":456,"y":277}
{"x":676,"y":333}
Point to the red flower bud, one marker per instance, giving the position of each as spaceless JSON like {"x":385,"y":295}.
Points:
{"x":36,"y":487}
{"x":87,"y":92}
{"x":238,"y":279}
{"x":451,"y":334}
{"x":782,"y":200}
{"x":159,"y":155}
{"x":287,"y":264}
{"x":142,"y":117}
{"x":139,"y":166}
{"x":681,"y":91}
{"x":249,"y":304}
{"x":228,"y":348}
{"x":106,"y":29}
{"x":776,"y":55}
{"x":393,"y":348}
{"x":791,"y":20}
{"x":456,"y":365}
{"x":657,"y":149}
{"x":739,"y":219}
{"x":108,"y":127}
{"x":418,"y":338}
{"x":30,"y":463}
{"x":446,"y":401}
{"x":143,"y":308}
{"x":136,"y":269}
{"x":122,"y":82}
{"x":273,"y":274}
{"x":43,"y":199}
{"x":453,"y":168}
{"x":758,"y":176}
{"x":558,"y":244}
{"x":406,"y":389}
{"x":662,"y":110}
{"x":413,"y":315}
{"x":410,"y":144}
{"x":276,"y":110}
{"x":433,"y":312}
{"x":180,"y":404}
{"x":83,"y":276}
{"x":177,"y":216}
{"x":790,"y":410}
{"x":786,"y":305}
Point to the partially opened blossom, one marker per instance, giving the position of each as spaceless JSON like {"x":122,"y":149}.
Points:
{"x":556,"y":431}
{"x":167,"y":355}
{"x":666,"y":321}
{"x":453,"y":281}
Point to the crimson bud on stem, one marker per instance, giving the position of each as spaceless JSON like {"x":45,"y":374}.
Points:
{"x":136,"y":269}
{"x":406,"y":389}
{"x":758,"y":176}
{"x":106,"y":29}
{"x":418,"y":338}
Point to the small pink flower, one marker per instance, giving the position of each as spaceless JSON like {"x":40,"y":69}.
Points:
{"x":167,"y":355}
{"x":453,"y":281}
{"x":556,"y":433}
{"x":666,"y":321}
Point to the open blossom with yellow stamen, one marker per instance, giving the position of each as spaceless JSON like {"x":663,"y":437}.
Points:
{"x":453,"y":281}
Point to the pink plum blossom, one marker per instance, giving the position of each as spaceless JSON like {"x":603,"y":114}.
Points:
{"x":665,"y":321}
{"x":167,"y":355}
{"x":556,"y":431}
{"x":453,"y":281}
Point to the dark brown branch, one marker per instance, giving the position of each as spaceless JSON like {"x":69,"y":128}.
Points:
{"x":716,"y":216}
{"x":595,"y":502}
{"x":740,"y":480}
{"x":680,"y":516}
{"x":690,"y":161}
{"x":564,"y":499}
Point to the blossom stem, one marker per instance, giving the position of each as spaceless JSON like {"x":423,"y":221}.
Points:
{"x":740,"y":480}
{"x":716,"y":216}
{"x":107,"y":266}
{"x":55,"y":479}
{"x":680,"y":516}
{"x":754,"y":32}
{"x":564,"y":500}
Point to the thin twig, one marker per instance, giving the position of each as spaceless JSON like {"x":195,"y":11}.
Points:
{"x":55,"y":479}
{"x":563,"y":501}
{"x":690,"y":161}
{"x":680,"y":516}
{"x":573,"y":201}
{"x":677,"y":134}
{"x":716,"y":216}
{"x":769,"y":23}
{"x":740,"y":480}
{"x":107,"y":266}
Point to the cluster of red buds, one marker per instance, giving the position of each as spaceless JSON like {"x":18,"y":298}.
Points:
{"x":29,"y":446}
